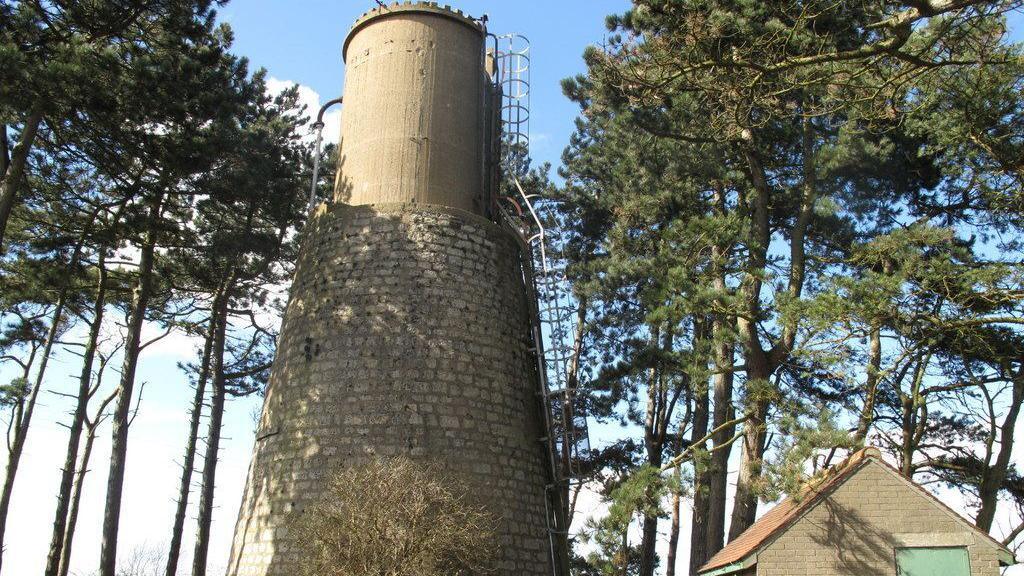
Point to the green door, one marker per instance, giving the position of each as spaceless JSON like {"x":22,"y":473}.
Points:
{"x":933,"y":562}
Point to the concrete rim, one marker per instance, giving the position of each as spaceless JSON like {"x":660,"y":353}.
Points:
{"x":399,"y":208}
{"x":433,"y":8}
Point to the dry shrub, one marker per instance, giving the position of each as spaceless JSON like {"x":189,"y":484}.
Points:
{"x":394,"y":517}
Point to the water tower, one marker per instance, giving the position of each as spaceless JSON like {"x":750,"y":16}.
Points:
{"x":411,"y":327}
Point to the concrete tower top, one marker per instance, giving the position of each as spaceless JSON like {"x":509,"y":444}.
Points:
{"x":419,"y":111}
{"x":406,"y":7}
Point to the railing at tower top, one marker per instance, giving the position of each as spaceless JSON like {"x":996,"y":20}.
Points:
{"x":535,"y":219}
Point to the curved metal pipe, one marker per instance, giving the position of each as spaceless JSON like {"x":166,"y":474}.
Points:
{"x":319,"y":127}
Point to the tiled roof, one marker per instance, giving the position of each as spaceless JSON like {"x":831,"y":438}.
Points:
{"x":789,"y":510}
{"x":786,"y":511}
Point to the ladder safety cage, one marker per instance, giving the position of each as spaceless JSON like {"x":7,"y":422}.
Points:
{"x":534,"y":218}
{"x":512,"y":59}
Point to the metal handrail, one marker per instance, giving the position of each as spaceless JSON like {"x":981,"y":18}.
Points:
{"x":550,"y":309}
{"x":319,"y":127}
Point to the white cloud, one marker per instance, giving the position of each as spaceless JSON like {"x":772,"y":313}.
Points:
{"x":311,"y":98}
{"x":175,"y":345}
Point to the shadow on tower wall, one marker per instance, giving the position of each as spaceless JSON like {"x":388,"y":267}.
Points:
{"x":406,"y":334}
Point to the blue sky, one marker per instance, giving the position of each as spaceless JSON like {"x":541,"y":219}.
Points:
{"x":300,"y":41}
{"x":297,"y":41}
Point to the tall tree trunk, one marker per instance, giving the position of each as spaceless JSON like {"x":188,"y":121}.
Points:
{"x":994,"y":477}
{"x":874,"y":372}
{"x":119,"y":441}
{"x":909,"y":403}
{"x":721,"y":331}
{"x":649,"y":535}
{"x":624,"y":556}
{"x":76,"y":500}
{"x":15,"y":171}
{"x":718,"y":471}
{"x":744,"y":505}
{"x":569,"y":410}
{"x":673,"y":534}
{"x":699,"y":523}
{"x":21,"y":434}
{"x":908,"y":423}
{"x":14,"y":429}
{"x":91,"y":427}
{"x":745,"y":500}
{"x":77,"y":422}
{"x":755,"y":435}
{"x":199,"y":558}
{"x":5,"y":150}
{"x":867,"y":415}
{"x":653,"y":443}
{"x":761,"y":364}
{"x":189,"y":463}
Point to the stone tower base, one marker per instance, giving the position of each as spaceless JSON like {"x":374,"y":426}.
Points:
{"x":406,"y":334}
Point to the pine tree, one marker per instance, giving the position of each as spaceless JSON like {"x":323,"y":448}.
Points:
{"x":192,"y":88}
{"x":252,"y":202}
{"x":793,"y":122}
{"x":59,"y":63}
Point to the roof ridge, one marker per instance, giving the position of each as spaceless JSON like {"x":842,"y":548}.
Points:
{"x":949,"y":510}
{"x":827,"y":474}
{"x":783,"y":514}
{"x":790,"y":509}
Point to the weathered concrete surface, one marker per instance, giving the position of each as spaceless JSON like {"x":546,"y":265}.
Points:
{"x":855,"y":531}
{"x":406,"y":334}
{"x":412,"y":125}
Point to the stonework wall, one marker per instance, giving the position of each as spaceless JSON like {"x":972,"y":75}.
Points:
{"x":855,"y":530}
{"x":406,"y":334}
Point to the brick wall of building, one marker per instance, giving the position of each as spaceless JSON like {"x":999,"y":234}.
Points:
{"x":855,"y":530}
{"x":406,"y":334}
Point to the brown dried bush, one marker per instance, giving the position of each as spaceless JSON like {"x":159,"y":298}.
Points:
{"x":395,"y":517}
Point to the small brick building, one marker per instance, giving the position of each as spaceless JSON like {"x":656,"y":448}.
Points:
{"x":862,"y":519}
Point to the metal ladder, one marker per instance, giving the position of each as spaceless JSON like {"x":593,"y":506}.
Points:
{"x":553,"y":333}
